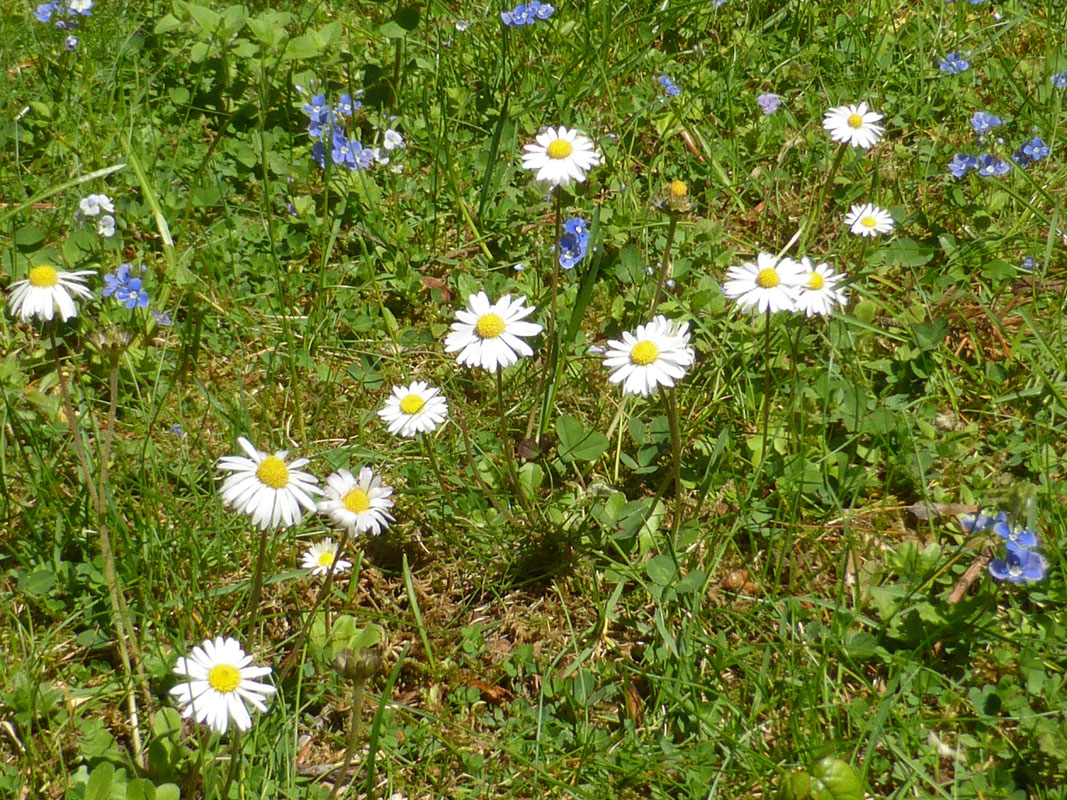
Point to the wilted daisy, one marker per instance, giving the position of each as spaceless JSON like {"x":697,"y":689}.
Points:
{"x":854,"y":125}
{"x":768,"y":285}
{"x":819,"y":293}
{"x":490,"y":335}
{"x":320,"y":556}
{"x":656,"y":354}
{"x":46,"y":291}
{"x":360,"y":505}
{"x":414,"y":409}
{"x":217,"y":680}
{"x":560,"y":156}
{"x":267,"y":488}
{"x":867,"y":219}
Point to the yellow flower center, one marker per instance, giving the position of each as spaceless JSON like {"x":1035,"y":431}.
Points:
{"x":816,"y":281}
{"x":855,"y":121}
{"x":43,"y":277}
{"x":768,"y":278}
{"x":868,"y":222}
{"x":273,"y":472}
{"x":325,"y":558}
{"x":489,"y":326}
{"x":412,"y":404}
{"x":224,"y":678}
{"x":560,"y":148}
{"x":357,"y":501}
{"x":644,"y":353}
{"x":678,"y":189}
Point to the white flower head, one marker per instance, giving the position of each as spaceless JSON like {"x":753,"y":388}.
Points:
{"x":560,"y":156}
{"x":854,"y":125}
{"x":320,"y":556}
{"x":217,"y":680}
{"x":656,"y":354}
{"x":105,"y":226}
{"x":80,"y":6}
{"x":819,"y":293}
{"x":490,"y":335}
{"x":414,"y":409}
{"x":46,"y":291}
{"x":392,"y":139}
{"x":867,"y":219}
{"x":768,"y":285}
{"x":91,"y":205}
{"x":266,"y":488}
{"x":361,"y":505}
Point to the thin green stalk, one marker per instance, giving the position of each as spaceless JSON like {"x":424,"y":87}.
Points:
{"x":488,"y":492}
{"x":766,"y":383}
{"x":676,"y":457}
{"x":663,"y":263}
{"x":257,"y":580}
{"x":235,"y":759}
{"x":813,"y":224}
{"x":509,"y":453}
{"x":558,"y":202}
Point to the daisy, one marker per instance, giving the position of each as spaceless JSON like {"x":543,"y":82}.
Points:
{"x":359,"y":505}
{"x":46,"y":291}
{"x":217,"y":680}
{"x":854,"y":125}
{"x":267,"y":488}
{"x":767,"y":285}
{"x":490,"y":335}
{"x":560,"y":156}
{"x":320,"y":556}
{"x":869,"y":220}
{"x":819,"y":293}
{"x":414,"y":409}
{"x":656,"y":354}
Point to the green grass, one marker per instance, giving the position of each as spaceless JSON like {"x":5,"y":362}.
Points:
{"x":596,"y":638}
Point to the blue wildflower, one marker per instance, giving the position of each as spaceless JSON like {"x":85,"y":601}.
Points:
{"x":518,"y":16}
{"x":768,"y":103}
{"x":1031,"y":151}
{"x":1019,"y":566}
{"x":1021,"y":537}
{"x":574,"y":243}
{"x":125,"y":288}
{"x":71,"y":42}
{"x":318,"y":153}
{"x":539,"y":10}
{"x":1029,"y":264}
{"x":43,"y":13}
{"x":983,"y":122}
{"x":178,"y":430}
{"x":954,"y":64}
{"x":346,"y":105}
{"x":990,"y":166}
{"x":961,"y":164}
{"x":670,"y":87}
{"x":1059,"y":80}
{"x":162,"y":318}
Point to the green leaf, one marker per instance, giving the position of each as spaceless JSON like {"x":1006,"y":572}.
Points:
{"x":37,"y":583}
{"x":28,"y":238}
{"x":99,"y":785}
{"x":578,"y":442}
{"x":661,"y":570}
{"x":168,"y":791}
{"x":928,"y":335}
{"x":207,"y":19}
{"x":834,"y":779}
{"x":531,"y":475}
{"x":167,"y":24}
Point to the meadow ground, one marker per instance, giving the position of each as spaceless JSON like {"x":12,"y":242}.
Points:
{"x":233,"y":231}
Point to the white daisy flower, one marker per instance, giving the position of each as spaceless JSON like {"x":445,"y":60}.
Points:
{"x":490,"y":335}
{"x":560,"y":156}
{"x":320,"y":556}
{"x":361,"y":505}
{"x":769,"y":284}
{"x":854,"y":125}
{"x":414,"y":409}
{"x":46,"y":291}
{"x":819,"y":293}
{"x":267,"y":488}
{"x":656,"y":354}
{"x":869,"y":220}
{"x":91,"y":205}
{"x":217,"y":680}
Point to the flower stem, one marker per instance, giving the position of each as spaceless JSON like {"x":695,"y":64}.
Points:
{"x":509,"y":453}
{"x":813,"y":224}
{"x":766,"y":383}
{"x":257,"y":580}
{"x":676,"y":457}
{"x":663,"y":263}
{"x":558,"y":202}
